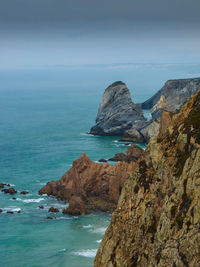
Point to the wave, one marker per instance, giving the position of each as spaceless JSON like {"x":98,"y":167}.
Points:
{"x":11,"y":208}
{"x":62,"y":250}
{"x":31,"y":200}
{"x":87,"y":226}
{"x":100,"y":230}
{"x":99,"y":241}
{"x":89,"y":253}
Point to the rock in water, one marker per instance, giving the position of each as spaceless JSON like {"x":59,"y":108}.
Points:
{"x":157,"y":219}
{"x":93,"y":186}
{"x":117,"y":113}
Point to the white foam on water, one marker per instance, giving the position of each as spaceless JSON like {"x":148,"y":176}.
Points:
{"x":11,"y":208}
{"x":87,"y":226}
{"x":31,"y":200}
{"x":62,"y":250}
{"x":89,"y":253}
{"x":100,"y":230}
{"x":99,"y":241}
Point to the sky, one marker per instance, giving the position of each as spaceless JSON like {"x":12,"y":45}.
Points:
{"x":70,"y":33}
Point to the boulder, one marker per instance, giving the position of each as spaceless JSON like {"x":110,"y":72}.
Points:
{"x":10,"y":190}
{"x":52,"y":209}
{"x":24,"y":192}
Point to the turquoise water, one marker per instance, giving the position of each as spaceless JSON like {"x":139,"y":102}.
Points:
{"x":41,"y":133}
{"x":44,"y":117}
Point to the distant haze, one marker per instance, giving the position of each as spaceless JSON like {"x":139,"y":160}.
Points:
{"x":44,"y":33}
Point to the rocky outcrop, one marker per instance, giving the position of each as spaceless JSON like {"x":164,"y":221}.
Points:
{"x":175,"y":92}
{"x":133,"y":153}
{"x":117,"y":113}
{"x":170,"y":97}
{"x":157,"y":220}
{"x":92,"y":186}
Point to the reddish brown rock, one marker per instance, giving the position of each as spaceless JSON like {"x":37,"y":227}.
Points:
{"x":76,"y":206}
{"x":1,"y":210}
{"x":133,"y":153}
{"x":10,"y":212}
{"x":10,"y":190}
{"x":41,"y":207}
{"x":2,"y":185}
{"x":98,"y":185}
{"x":24,"y":192}
{"x":49,"y":218}
{"x":52,"y":209}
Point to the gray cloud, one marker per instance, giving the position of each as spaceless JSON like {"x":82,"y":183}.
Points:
{"x":50,"y":32}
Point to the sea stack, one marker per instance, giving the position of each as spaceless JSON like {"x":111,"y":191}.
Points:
{"x":117,"y":112}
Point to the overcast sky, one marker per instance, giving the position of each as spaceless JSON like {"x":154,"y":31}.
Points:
{"x":42,"y":33}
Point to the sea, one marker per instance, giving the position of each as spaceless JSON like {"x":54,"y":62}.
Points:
{"x":45,"y":115}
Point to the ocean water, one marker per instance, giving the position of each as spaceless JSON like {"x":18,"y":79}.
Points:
{"x":41,"y":134}
{"x":43,"y":125}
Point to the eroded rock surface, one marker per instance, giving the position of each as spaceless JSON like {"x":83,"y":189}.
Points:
{"x":157,"y":220}
{"x":92,"y":186}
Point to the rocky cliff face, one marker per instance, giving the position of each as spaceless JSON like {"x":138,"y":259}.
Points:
{"x":93,"y":186}
{"x":157,"y":220}
{"x":176,"y":93}
{"x":117,"y":113}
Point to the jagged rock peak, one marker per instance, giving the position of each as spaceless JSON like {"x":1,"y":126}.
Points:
{"x":117,"y":112}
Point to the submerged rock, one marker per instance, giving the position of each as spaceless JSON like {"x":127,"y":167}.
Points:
{"x":157,"y":219}
{"x":117,"y":113}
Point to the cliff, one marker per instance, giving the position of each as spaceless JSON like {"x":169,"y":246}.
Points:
{"x":93,"y":186}
{"x":117,"y":113}
{"x":157,"y":220}
{"x":176,"y":93}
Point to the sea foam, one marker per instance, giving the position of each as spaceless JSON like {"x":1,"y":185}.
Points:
{"x":89,"y":253}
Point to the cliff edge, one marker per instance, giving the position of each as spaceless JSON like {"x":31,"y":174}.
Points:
{"x":157,"y":220}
